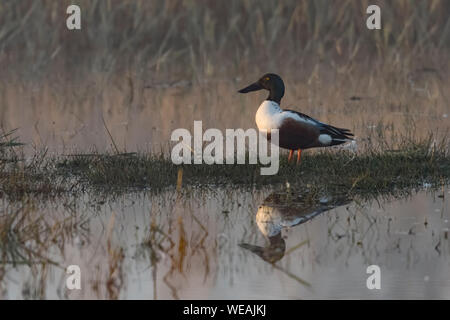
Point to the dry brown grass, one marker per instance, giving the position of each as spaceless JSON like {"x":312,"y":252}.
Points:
{"x":205,"y":38}
{"x":147,"y":67}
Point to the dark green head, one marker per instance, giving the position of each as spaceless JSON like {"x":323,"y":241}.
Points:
{"x":271,"y":82}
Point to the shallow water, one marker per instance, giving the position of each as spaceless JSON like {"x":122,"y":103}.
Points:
{"x":176,"y":246}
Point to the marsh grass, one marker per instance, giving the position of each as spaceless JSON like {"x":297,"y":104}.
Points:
{"x":143,"y":69}
{"x":20,"y":176}
{"x":162,"y":64}
{"x":374,"y":172}
{"x":409,"y":165}
{"x":382,"y":164}
{"x":7,"y":140}
{"x":201,"y":37}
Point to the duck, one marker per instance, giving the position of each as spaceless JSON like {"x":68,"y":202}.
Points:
{"x":297,"y":131}
{"x":281,"y":211}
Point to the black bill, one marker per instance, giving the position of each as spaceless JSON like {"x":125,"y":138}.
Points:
{"x":253,"y":87}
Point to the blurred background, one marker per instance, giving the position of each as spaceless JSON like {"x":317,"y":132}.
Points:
{"x":139,"y":69}
{"x":147,"y":67}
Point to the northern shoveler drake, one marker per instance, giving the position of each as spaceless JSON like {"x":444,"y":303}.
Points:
{"x":297,"y":131}
{"x":283,"y":211}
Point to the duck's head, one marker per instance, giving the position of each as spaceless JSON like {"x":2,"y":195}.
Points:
{"x":271,"y":82}
{"x":272,"y":253}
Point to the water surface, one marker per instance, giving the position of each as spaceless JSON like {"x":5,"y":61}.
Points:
{"x":207,"y":244}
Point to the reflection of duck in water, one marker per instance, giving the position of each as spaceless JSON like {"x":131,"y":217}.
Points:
{"x":284,"y":210}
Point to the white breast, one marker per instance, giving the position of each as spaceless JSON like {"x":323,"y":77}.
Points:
{"x":271,"y":116}
{"x":268,"y":115}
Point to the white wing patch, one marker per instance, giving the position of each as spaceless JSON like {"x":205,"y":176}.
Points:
{"x":325,"y":139}
{"x":297,"y":117}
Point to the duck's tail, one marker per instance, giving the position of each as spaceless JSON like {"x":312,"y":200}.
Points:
{"x":337,"y":135}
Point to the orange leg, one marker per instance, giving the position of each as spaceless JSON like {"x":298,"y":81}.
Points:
{"x":291,"y":153}
{"x":299,"y":153}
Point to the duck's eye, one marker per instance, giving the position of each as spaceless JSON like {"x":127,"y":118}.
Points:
{"x":266,"y":79}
